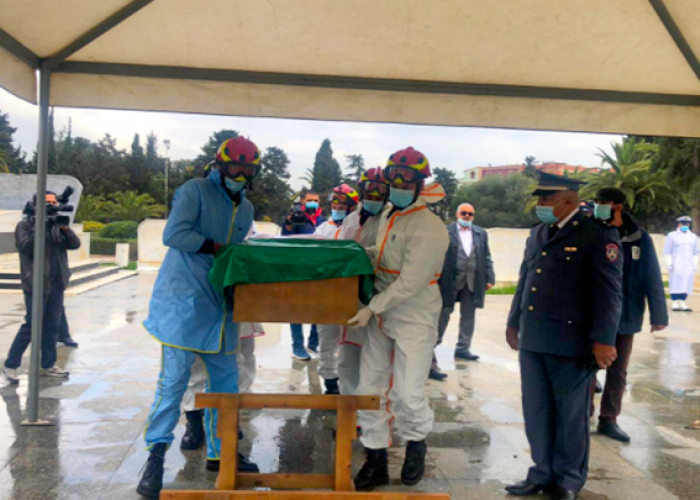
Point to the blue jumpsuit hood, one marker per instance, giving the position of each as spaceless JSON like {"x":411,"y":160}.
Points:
{"x":185,"y":310}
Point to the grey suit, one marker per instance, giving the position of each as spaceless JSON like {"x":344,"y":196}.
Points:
{"x":464,"y":278}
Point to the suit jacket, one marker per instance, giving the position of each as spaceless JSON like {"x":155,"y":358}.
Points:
{"x":569,"y":293}
{"x":484,"y":266}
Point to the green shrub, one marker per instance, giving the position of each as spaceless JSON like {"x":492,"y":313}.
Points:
{"x":120,"y":230}
{"x":108,"y":246}
{"x":92,"y":226}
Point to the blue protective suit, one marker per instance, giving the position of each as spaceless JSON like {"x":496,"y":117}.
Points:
{"x":186,"y":314}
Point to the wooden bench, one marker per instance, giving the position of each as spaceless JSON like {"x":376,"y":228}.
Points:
{"x":229,"y":480}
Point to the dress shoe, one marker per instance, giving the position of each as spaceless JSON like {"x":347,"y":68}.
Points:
{"x":331,"y":386}
{"x":526,"y":488}
{"x":563,"y":494}
{"x":243,"y":465}
{"x":68,"y":342}
{"x":374,"y":472}
{"x":436,"y":374}
{"x":194,"y":432}
{"x":466,"y":355}
{"x":152,"y":480}
{"x":613,"y":431}
{"x":414,"y":464}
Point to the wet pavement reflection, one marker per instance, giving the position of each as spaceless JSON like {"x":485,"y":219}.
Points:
{"x":95,"y":449}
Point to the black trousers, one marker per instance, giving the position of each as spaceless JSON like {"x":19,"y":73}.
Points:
{"x":556,"y":402}
{"x":53,"y":310}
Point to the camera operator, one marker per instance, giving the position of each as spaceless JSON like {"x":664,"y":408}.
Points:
{"x":303,"y":219}
{"x":59,"y":239}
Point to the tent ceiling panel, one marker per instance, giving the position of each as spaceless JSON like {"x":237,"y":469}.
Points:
{"x":46,"y":26}
{"x":17,"y":77}
{"x":686,"y":14}
{"x":259,"y":100}
{"x":593,"y":44}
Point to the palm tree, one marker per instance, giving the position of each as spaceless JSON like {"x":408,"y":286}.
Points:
{"x":91,"y":208}
{"x":131,"y":206}
{"x":630,"y":171}
{"x":6,"y":163}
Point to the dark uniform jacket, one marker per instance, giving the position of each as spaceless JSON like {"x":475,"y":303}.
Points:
{"x":569,"y":293}
{"x":56,"y":263}
{"x":641,"y":279}
{"x":484,"y":266}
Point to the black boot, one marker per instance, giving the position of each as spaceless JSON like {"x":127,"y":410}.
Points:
{"x":414,"y":465}
{"x":332,"y":386}
{"x":243,"y":465}
{"x":375,"y":471}
{"x":152,"y":480}
{"x":194,"y":434}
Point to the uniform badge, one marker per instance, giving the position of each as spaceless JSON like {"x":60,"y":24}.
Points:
{"x":612,"y":252}
{"x":636,"y":253}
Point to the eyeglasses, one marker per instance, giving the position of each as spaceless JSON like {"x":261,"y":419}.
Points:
{"x":470,"y":214}
{"x":247,"y":171}
{"x":407,"y":174}
{"x":372,"y":187}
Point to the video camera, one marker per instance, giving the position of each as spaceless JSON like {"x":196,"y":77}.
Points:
{"x":52,"y":210}
{"x":297,"y":217}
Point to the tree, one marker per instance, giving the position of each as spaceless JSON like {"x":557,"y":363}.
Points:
{"x":355,"y":168}
{"x":12,"y":159}
{"x":271,"y":195}
{"x":137,"y":166}
{"x":530,"y":168}
{"x":498,"y":201}
{"x":131,"y":206}
{"x":648,"y":192}
{"x":326,"y":173}
{"x":91,"y":208}
{"x":448,"y":180}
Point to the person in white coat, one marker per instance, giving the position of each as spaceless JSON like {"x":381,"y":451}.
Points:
{"x":344,"y":202}
{"x":682,"y":253}
{"x":360,"y":226}
{"x":402,"y":320}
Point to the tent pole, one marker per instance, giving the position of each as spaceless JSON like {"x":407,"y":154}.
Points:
{"x":39,"y":248}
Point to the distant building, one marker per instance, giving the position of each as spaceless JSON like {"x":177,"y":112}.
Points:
{"x":476,"y":174}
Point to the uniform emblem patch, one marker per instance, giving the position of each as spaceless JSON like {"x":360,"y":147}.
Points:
{"x":612,"y":252}
{"x":636,"y":253}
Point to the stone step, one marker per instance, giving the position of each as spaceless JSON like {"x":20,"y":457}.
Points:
{"x":81,"y":272}
{"x":13,"y":273}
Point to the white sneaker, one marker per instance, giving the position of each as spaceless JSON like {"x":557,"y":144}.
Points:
{"x":9,"y":375}
{"x":54,"y":372}
{"x":684,"y":307}
{"x":676,"y":305}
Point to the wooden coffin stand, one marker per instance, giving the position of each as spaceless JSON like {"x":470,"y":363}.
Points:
{"x":330,"y":301}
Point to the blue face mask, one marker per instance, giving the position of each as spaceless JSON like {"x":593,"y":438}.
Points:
{"x":602,"y":212}
{"x":401,"y":198}
{"x":546,"y":214}
{"x":373,"y":207}
{"x":235,"y":186}
{"x":312,"y":205}
{"x":464,"y":223}
{"x":338,"y":215}
{"x":685,"y":229}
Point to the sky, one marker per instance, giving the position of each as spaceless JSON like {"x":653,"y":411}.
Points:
{"x":456,"y":148}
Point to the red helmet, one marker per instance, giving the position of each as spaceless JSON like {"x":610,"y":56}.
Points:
{"x":241,"y":152}
{"x":409,"y":164}
{"x":373,"y":182}
{"x":348,"y":191}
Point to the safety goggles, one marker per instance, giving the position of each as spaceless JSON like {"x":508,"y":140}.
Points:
{"x":375,"y":188}
{"x":235,"y":171}
{"x":464,"y":213}
{"x":341,"y":201}
{"x":406,"y":174}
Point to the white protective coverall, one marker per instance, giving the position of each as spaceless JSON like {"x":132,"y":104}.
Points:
{"x":328,"y":335}
{"x":245,"y":358}
{"x":681,"y":251}
{"x":397,"y":354}
{"x":351,"y":339}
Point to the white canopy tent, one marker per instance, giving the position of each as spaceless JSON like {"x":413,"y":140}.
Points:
{"x":623,"y":66}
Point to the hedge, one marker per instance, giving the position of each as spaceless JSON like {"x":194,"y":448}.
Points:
{"x":108,"y":246}
{"x":92,"y":226}
{"x":120,"y":230}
